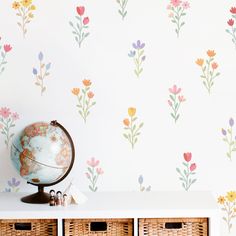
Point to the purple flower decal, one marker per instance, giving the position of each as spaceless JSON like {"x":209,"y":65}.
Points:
{"x":131,"y":53}
{"x":138,"y":45}
{"x":141,"y":187}
{"x":138,"y":56}
{"x":229,"y":138}
{"x":42,"y":73}
{"x":223,"y":131}
{"x":13,"y":185}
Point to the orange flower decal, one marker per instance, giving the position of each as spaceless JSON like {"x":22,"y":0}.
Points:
{"x":75,"y":91}
{"x":200,"y":62}
{"x":84,"y":99}
{"x":132,"y":129}
{"x":211,"y":53}
{"x":208,"y":68}
{"x":86,"y":82}
{"x":126,"y":122}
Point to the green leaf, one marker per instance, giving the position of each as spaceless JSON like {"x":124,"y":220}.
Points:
{"x":173,"y":21}
{"x":141,"y":125}
{"x":178,"y":170}
{"x":90,"y":170}
{"x":182,"y":24}
{"x":194,"y":180}
{"x":125,"y":135}
{"x":172,"y":97}
{"x":91,"y":189}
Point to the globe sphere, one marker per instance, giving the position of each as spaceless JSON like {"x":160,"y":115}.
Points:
{"x":42,"y":153}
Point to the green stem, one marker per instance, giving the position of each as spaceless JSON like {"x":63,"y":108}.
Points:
{"x":41,"y":76}
{"x":83,"y":106}
{"x":132,"y":134}
{"x":230,"y":141}
{"x":187,"y":179}
{"x":3,"y":58}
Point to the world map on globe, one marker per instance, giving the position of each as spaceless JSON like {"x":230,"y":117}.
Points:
{"x":41,"y":153}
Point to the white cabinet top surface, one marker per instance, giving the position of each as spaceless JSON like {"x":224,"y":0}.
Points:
{"x":115,"y":205}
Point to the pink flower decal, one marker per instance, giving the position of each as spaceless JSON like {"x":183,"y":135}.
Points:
{"x":187,"y":172}
{"x":84,"y":98}
{"x":177,"y":10}
{"x":175,"y":101}
{"x":122,"y":11}
{"x":81,"y":25}
{"x":232,"y":28}
{"x":93,"y":173}
{"x":208,"y":68}
{"x":6,"y":49}
{"x":7,"y":122}
{"x":93,"y":163}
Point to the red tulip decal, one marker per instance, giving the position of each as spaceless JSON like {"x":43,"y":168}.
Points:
{"x":232,"y":30}
{"x":80,"y":10}
{"x":6,"y":49}
{"x":185,"y":175}
{"x":81,"y":25}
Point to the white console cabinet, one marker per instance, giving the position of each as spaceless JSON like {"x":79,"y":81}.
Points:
{"x":133,"y":205}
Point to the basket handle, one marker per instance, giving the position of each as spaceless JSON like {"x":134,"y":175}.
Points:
{"x":98,"y":226}
{"x":23,"y":226}
{"x":173,"y":225}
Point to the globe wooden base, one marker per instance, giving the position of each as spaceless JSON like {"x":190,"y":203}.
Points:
{"x":37,"y":198}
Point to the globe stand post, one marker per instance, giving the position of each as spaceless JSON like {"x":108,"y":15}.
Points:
{"x":37,"y":198}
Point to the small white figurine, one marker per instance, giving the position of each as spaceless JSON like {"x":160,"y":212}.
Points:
{"x":65,"y":200}
{"x":59,"y":198}
{"x":52,"y":200}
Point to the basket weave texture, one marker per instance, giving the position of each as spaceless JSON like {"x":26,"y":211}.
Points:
{"x":188,"y":227}
{"x":39,"y":227}
{"x":115,"y":227}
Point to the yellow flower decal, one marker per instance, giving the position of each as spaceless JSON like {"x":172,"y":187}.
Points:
{"x":15,"y":5}
{"x":231,"y":196}
{"x":221,"y":200}
{"x":26,"y":3}
{"x":228,"y":206}
{"x":84,"y":99}
{"x":131,"y":111}
{"x":132,"y":129}
{"x":24,"y":11}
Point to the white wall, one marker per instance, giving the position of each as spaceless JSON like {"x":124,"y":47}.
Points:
{"x":103,"y":59}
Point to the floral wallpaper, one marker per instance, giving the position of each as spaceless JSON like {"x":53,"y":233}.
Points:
{"x":146,"y":90}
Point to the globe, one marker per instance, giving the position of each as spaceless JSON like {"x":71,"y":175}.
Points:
{"x":43,"y":154}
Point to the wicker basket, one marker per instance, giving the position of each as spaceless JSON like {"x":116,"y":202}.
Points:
{"x":29,"y":227}
{"x":173,"y":227}
{"x":98,"y":227}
